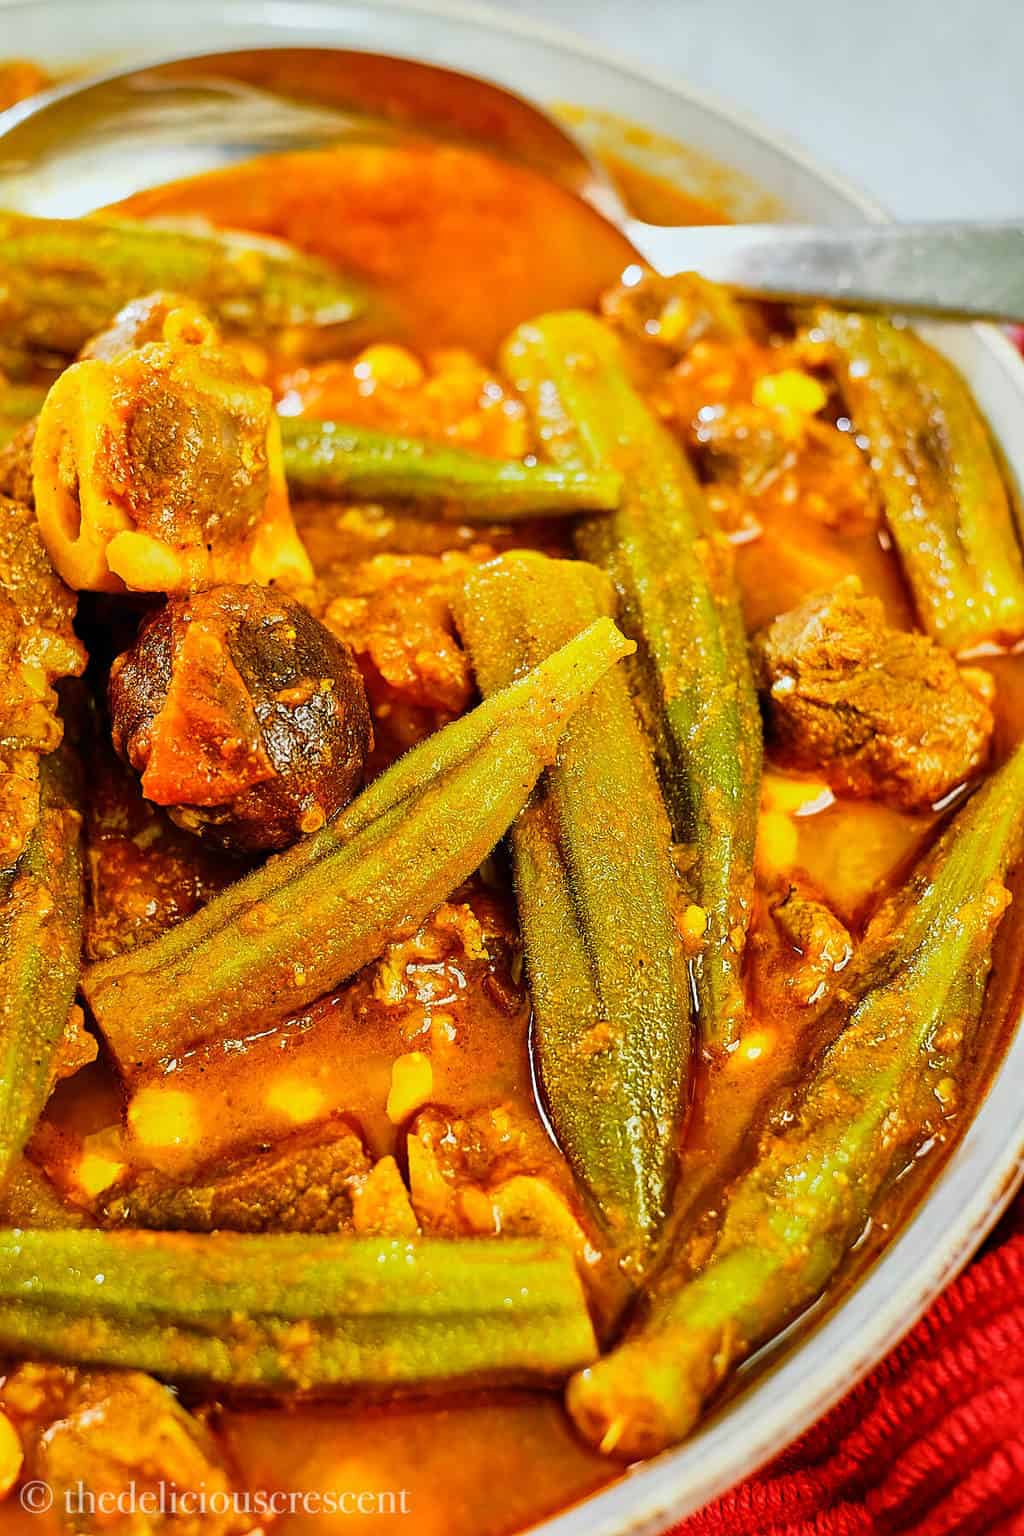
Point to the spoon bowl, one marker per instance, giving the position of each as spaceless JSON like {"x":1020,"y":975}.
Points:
{"x":133,"y":129}
{"x":136,"y":128}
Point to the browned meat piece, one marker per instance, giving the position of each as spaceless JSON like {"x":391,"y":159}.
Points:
{"x":490,"y":1171}
{"x":78,"y":1048}
{"x":819,"y":938}
{"x":395,"y":613}
{"x":143,"y":873}
{"x":755,"y":417}
{"x":305,"y":1183}
{"x":159,"y":469}
{"x":119,"y":1433}
{"x":495,"y":1171}
{"x":877,"y":711}
{"x":244,"y":716}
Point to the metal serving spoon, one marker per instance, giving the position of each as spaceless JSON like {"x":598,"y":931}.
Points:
{"x":81,"y":145}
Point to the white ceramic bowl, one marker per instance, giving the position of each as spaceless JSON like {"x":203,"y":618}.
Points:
{"x":548,"y":66}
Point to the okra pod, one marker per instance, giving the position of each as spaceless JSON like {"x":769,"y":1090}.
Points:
{"x":945,"y":499}
{"x":332,"y":458}
{"x":40,"y":954}
{"x":30,"y":1200}
{"x":599,"y":901}
{"x":291,"y":1312}
{"x":674,"y":574}
{"x":62,"y":280}
{"x":313,"y":917}
{"x":790,"y":1220}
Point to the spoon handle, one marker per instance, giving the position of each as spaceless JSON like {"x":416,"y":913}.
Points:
{"x":958,"y":271}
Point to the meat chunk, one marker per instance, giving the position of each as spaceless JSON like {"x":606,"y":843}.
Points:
{"x":145,"y":320}
{"x":394,"y":611}
{"x":245,"y":716}
{"x":101,"y":1439}
{"x":143,"y":874}
{"x":305,"y":1183}
{"x":820,"y":940}
{"x":493,"y":1172}
{"x":159,"y":469}
{"x":877,"y":711}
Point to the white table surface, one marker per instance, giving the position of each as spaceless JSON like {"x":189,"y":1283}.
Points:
{"x":920,"y":101}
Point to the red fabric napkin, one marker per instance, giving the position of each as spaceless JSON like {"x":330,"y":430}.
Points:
{"x":932,"y":1443}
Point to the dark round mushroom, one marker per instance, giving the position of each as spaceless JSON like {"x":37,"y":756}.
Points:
{"x":245,"y":717}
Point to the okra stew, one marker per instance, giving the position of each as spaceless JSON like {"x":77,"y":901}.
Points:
{"x":511,"y":787}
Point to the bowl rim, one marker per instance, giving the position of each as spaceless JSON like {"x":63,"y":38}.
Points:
{"x":964,"y":1202}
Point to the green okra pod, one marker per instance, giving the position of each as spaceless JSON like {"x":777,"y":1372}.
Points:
{"x":62,"y":280}
{"x":30,"y":1200}
{"x":599,"y":901}
{"x":916,"y":990}
{"x":674,"y":574}
{"x":945,"y":499}
{"x":330,"y":458}
{"x":292,"y":1312}
{"x":40,"y":954}
{"x":314,"y":916}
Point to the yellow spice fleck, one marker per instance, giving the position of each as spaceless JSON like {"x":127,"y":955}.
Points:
{"x":757,"y":1044}
{"x":412,"y":1086}
{"x":164,"y":1117}
{"x":391,"y":366}
{"x":296,"y":1100}
{"x":443,"y":1030}
{"x":693,"y":924}
{"x":613,"y":1434}
{"x":790,"y":390}
{"x":945,"y":1092}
